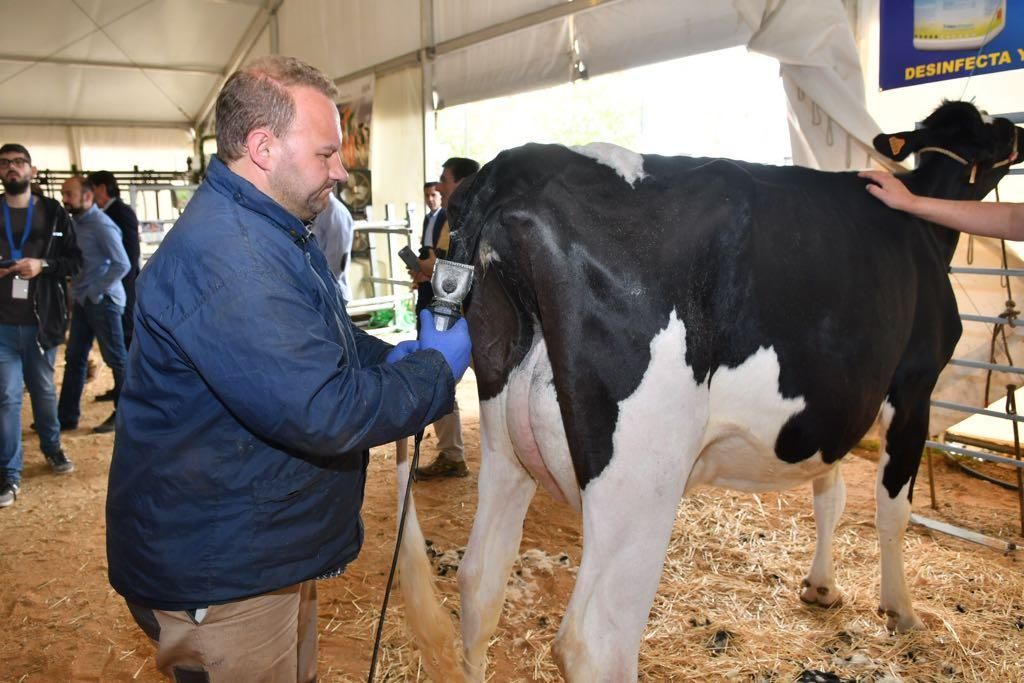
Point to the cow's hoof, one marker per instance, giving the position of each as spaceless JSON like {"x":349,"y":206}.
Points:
{"x":472,"y":673}
{"x":896,"y":622}
{"x":822,"y":596}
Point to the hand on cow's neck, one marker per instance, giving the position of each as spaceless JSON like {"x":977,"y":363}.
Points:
{"x":926,"y":185}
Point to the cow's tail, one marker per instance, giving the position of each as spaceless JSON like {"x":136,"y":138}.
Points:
{"x":431,"y":625}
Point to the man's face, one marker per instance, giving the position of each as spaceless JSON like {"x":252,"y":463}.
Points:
{"x":446,"y":186}
{"x":17,"y":172}
{"x":308,"y":163}
{"x":100,"y":195}
{"x":432,"y":198}
{"x":76,"y":201}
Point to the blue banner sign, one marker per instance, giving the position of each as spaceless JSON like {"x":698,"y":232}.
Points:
{"x":934,"y":40}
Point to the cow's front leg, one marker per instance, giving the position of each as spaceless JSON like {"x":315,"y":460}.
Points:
{"x":505,"y":490}
{"x":819,"y":586}
{"x":905,"y":425}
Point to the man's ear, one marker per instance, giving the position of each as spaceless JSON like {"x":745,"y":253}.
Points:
{"x":258,"y":144}
{"x":898,"y":146}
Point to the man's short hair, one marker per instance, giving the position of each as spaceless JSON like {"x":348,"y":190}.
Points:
{"x":432,"y":185}
{"x":461,"y":167}
{"x":15,"y":147}
{"x":83,"y":182}
{"x":258,"y":96}
{"x":107,"y":180}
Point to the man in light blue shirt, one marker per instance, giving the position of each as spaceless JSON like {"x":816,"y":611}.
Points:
{"x":99,"y":300}
{"x":333,"y":229}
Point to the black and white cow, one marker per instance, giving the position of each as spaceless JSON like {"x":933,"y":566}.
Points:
{"x":644,"y":325}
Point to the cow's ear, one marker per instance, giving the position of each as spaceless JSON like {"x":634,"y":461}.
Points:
{"x":898,"y":146}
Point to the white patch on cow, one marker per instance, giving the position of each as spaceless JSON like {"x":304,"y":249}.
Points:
{"x":626,"y":163}
{"x":829,"y":501}
{"x":891,"y":518}
{"x":505,"y":490}
{"x":487,"y":254}
{"x":628,"y":512}
{"x":888,"y":410}
{"x":747,"y":414}
{"x":535,"y":425}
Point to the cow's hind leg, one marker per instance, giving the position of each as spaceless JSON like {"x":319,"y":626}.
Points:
{"x":904,"y":426}
{"x":627,"y":525}
{"x":505,"y":491}
{"x":628,"y":513}
{"x":819,"y":586}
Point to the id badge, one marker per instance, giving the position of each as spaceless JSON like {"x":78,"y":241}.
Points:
{"x":19,"y":288}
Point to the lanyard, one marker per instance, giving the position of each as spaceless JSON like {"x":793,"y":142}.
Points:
{"x":16,"y":253}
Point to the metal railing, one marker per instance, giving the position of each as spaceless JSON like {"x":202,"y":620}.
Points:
{"x":389,"y":287}
{"x":947,"y":447}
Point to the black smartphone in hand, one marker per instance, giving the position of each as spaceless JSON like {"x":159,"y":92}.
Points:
{"x":409,"y":256}
{"x":7,"y":263}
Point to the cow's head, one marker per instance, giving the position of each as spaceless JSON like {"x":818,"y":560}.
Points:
{"x":980,"y":148}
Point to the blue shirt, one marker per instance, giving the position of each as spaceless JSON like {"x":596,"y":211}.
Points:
{"x":104,"y":260}
{"x":249,"y":404}
{"x":333,"y":229}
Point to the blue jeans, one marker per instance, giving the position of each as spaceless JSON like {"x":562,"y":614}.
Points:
{"x":22,"y":360}
{"x":102,"y":322}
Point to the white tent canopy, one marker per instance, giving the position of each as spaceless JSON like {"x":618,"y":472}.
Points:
{"x":81,"y":77}
{"x":812,"y":40}
{"x":141,"y":67}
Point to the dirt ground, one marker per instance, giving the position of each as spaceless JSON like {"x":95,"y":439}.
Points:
{"x":61,"y":621}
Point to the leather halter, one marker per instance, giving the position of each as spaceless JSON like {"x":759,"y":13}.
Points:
{"x":1011,"y":157}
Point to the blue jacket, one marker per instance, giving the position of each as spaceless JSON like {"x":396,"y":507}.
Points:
{"x":249,"y":405}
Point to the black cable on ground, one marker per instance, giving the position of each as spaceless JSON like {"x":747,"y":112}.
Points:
{"x":394,"y":557}
{"x":985,"y":477}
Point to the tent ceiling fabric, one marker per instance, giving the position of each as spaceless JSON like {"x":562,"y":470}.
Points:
{"x":159,"y":62}
{"x":456,"y":18}
{"x":343,"y":36}
{"x":525,"y":60}
{"x":812,"y":40}
{"x":77,"y":60}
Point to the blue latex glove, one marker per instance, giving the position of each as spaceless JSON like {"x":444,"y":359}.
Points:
{"x":402,"y":349}
{"x":453,"y":344}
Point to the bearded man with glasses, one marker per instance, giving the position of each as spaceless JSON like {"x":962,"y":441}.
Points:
{"x":38,"y":252}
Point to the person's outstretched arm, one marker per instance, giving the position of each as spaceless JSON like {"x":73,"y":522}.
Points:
{"x":1004,"y":220}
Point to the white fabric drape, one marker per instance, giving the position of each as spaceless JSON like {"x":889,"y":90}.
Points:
{"x":812,"y":40}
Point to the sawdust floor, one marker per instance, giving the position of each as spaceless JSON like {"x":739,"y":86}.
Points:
{"x":61,"y":621}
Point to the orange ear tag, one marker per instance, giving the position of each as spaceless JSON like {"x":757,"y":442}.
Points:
{"x":896,"y":144}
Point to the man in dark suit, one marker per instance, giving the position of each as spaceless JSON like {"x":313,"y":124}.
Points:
{"x":450,"y":461}
{"x":107,"y":196}
{"x":432,"y":224}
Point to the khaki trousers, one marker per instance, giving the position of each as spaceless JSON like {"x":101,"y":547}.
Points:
{"x":449,"y":435}
{"x":270,"y":638}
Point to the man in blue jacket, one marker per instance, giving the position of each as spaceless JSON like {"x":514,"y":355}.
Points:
{"x":251,"y":399}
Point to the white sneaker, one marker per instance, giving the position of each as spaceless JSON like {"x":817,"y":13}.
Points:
{"x":8,"y":494}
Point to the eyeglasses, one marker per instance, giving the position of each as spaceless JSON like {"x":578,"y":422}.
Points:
{"x":20,"y":162}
